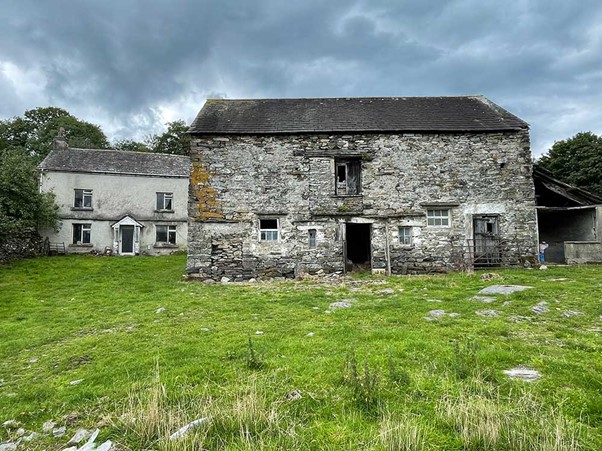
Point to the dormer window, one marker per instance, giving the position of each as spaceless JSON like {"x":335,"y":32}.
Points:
{"x":347,"y":176}
{"x":165,"y":201}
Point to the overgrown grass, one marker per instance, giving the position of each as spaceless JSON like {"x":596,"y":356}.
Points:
{"x":378,"y":375}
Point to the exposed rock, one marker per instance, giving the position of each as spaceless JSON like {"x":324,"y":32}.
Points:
{"x":540,"y":308}
{"x":75,"y":382}
{"x":90,"y":445}
{"x":48,"y":426}
{"x":570,"y":313}
{"x":160,"y":310}
{"x":503,"y":289}
{"x":11,"y":424}
{"x":485,"y":299}
{"x":343,"y":303}
{"x":487,"y":312}
{"x":523,"y":373}
{"x":80,"y":435}
{"x":187,"y":428}
{"x":8,"y":446}
{"x":225,"y":279}
{"x":59,"y":432}
{"x":387,"y":292}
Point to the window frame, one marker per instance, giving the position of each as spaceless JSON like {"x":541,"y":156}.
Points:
{"x":438,"y":220}
{"x":164,"y":197}
{"x":345,"y":167}
{"x":312,"y":237}
{"x":86,"y":195}
{"x":406,"y":239}
{"x":265,"y":232}
{"x":169,"y":230}
{"x":82,"y":227}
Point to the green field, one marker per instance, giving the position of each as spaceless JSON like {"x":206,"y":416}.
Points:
{"x":378,"y":375}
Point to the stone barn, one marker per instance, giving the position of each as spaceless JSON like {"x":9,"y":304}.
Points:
{"x":393,"y":185}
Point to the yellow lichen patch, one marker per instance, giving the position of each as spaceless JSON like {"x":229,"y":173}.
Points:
{"x":208,"y":206}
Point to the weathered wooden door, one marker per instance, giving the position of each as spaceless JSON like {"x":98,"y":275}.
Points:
{"x":486,"y":240}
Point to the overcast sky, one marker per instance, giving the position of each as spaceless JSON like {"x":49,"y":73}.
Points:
{"x":132,"y":65}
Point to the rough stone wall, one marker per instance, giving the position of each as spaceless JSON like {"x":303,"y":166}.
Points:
{"x":236,"y":180}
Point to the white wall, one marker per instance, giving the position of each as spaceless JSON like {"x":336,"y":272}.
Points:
{"x":113,"y":197}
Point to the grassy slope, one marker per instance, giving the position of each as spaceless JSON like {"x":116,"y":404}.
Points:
{"x":94,"y":319}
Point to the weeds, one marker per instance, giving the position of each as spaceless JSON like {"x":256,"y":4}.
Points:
{"x":397,"y":375}
{"x":363,"y":384}
{"x":403,"y":434}
{"x":466,"y":362}
{"x":254,"y":359}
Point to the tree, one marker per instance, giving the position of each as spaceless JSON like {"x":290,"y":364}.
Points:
{"x":35,"y":131}
{"x":22,"y":207}
{"x":577,"y":161}
{"x":131,"y":145}
{"x":175,"y":140}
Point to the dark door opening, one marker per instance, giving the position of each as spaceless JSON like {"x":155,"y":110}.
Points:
{"x":358,"y":246}
{"x":127,"y":239}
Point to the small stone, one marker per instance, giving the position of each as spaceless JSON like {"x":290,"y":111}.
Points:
{"x":204,"y":329}
{"x":434,"y":300}
{"x":540,"y":308}
{"x":570,"y":313}
{"x":71,"y":448}
{"x":437,"y":313}
{"x":293,"y":395}
{"x":80,"y":434}
{"x":259,"y":332}
{"x":506,"y":303}
{"x":485,"y":299}
{"x":252,"y":280}
{"x":315,"y":308}
{"x":387,"y":292}
{"x":106,"y":446}
{"x":209,"y":281}
{"x":33,"y":360}
{"x":329,"y":312}
{"x":543,"y":267}
{"x":453,"y":314}
{"x":20,"y":432}
{"x":225,"y":279}
{"x":11,"y":424}
{"x":487,"y":312}
{"x":31,"y":437}
{"x":523,"y":373}
{"x":76,"y":381}
{"x":48,"y":426}
{"x":59,"y":432}
{"x":310,"y":334}
{"x":160,"y":310}
{"x":8,"y":446}
{"x":343,"y":303}
{"x":190,"y":426}
{"x":503,"y":289}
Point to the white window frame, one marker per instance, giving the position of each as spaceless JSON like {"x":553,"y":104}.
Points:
{"x":170,"y":231}
{"x":86,"y":197}
{"x":269,"y":234}
{"x":83,"y":227}
{"x":162,"y":199}
{"x":438,"y":217}
{"x":405,"y":235}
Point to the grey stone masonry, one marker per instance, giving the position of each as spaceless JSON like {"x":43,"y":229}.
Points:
{"x":298,"y":188}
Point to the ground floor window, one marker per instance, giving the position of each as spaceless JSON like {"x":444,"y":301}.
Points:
{"x":437,"y":217}
{"x":81,"y":233}
{"x":312,"y":238}
{"x":268,"y":229}
{"x":166,"y":234}
{"x":405,"y":235}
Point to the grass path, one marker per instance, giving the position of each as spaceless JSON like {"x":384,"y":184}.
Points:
{"x":89,"y":318}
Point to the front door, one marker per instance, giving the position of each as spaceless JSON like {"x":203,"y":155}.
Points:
{"x":487,"y":245}
{"x":127,"y":239}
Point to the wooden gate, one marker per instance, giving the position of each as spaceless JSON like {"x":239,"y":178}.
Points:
{"x":486,"y":244}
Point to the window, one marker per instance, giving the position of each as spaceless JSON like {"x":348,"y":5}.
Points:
{"x":437,"y":217}
{"x":81,"y":233}
{"x":165,"y":201}
{"x":405,"y":235}
{"x":166,"y":234}
{"x":348,"y":177}
{"x":312,"y":238}
{"x":268,"y":229}
{"x":83,"y":198}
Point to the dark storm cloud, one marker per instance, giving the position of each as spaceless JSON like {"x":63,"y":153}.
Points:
{"x":130,"y":64}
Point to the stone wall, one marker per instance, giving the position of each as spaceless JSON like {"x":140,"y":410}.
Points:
{"x":238,"y":180}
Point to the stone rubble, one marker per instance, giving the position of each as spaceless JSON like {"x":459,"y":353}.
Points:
{"x":485,"y":299}
{"x":343,"y":303}
{"x":541,"y":307}
{"x":488,"y":312}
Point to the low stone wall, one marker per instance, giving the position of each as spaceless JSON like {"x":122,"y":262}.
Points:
{"x":25,"y":245}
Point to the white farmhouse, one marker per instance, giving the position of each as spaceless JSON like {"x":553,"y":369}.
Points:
{"x":129,"y":202}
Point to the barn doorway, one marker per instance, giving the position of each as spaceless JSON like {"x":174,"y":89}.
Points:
{"x":358,"y":246}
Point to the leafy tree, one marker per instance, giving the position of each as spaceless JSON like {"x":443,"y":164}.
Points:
{"x":22,"y":206}
{"x":35,"y":131}
{"x":577,"y":161}
{"x":131,"y":145}
{"x":175,"y":140}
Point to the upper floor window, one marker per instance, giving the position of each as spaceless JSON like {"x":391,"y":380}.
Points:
{"x":166,"y":234}
{"x":347,"y":176}
{"x":165,"y":201}
{"x":81,"y":233}
{"x":268,"y":229}
{"x":437,"y":217}
{"x":83,"y":198}
{"x":405,"y":235}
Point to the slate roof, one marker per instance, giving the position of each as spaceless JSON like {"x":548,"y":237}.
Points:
{"x":357,"y":114}
{"x":116,"y":162}
{"x":572,"y":195}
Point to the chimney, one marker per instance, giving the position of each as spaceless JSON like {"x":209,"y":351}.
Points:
{"x":60,"y":141}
